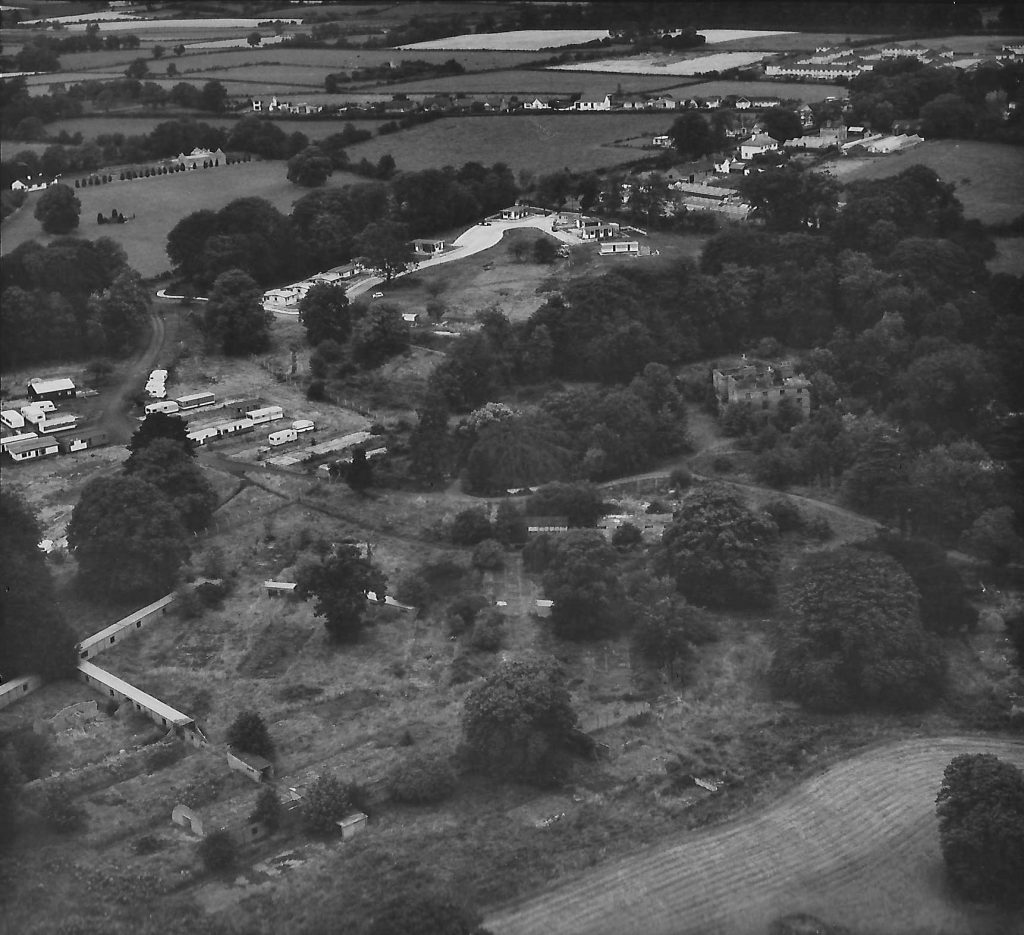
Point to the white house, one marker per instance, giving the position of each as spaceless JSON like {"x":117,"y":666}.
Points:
{"x":536,"y":104}
{"x":758,"y":143}
{"x":32,"y":184}
{"x":32,"y":448}
{"x":593,"y":102}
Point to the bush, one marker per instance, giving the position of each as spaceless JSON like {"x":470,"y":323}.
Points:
{"x":327,"y":802}
{"x":471,"y":527}
{"x":819,"y":528}
{"x":60,"y":811}
{"x":248,"y":733}
{"x":34,"y":753}
{"x":627,"y":536}
{"x":489,"y":555}
{"x":680,"y":479}
{"x":316,"y":391}
{"x":786,"y":514}
{"x":722,"y":465}
{"x":268,"y":809}
{"x":488,"y":633}
{"x":421,"y":779}
{"x":218,"y":852}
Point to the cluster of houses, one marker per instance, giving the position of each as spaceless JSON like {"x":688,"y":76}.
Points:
{"x":829,"y":63}
{"x":37,"y":430}
{"x":286,"y":298}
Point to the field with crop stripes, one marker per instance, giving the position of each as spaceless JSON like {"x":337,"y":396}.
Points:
{"x":856,"y":846}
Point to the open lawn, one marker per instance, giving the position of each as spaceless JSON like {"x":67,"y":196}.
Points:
{"x":536,"y":143}
{"x":159,"y":203}
{"x":989,"y":177}
{"x":865,"y":826}
{"x":787,"y":90}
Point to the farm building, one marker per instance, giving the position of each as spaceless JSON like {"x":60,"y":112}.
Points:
{"x":539,"y":524}
{"x":235,"y":817}
{"x":80,"y":439}
{"x":593,"y":101}
{"x":31,"y":448}
{"x":34,"y":183}
{"x":610,"y":247}
{"x":593,"y":229}
{"x":255,"y":767}
{"x":52,"y":388}
{"x":663,"y":141}
{"x":163,"y":715}
{"x":762,"y":385}
{"x":757,"y":144}
{"x":93,"y":645}
{"x":17,"y":688}
{"x":352,"y":825}
{"x":244,"y":406}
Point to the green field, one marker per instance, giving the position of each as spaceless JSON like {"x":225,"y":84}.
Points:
{"x":787,"y":90}
{"x":989,"y":177}
{"x":536,"y":143}
{"x":159,"y":203}
{"x":538,"y":82}
{"x":791,"y":42}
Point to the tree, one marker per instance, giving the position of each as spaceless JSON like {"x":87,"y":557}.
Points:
{"x":429,"y":454}
{"x":310,"y":167}
{"x":267,"y":810}
{"x":127,"y":537}
{"x":509,"y":525}
{"x":426,"y":915}
{"x":34,"y":637}
{"x":517,"y":724}
{"x":325,"y":314}
{"x":339,"y":583}
{"x":160,"y":425}
{"x":254,"y":38}
{"x":980,"y":807}
{"x":158,"y":51}
{"x":123,"y":311}
{"x":781,"y":124}
{"x":379,"y":335}
{"x":421,"y":779}
{"x":790,"y":199}
{"x":58,"y":209}
{"x":582,"y":580}
{"x":327,"y":801}
{"x":580,"y":503}
{"x":720,"y":553}
{"x":386,"y":246}
{"x":471,"y":526}
{"x":852,"y":637}
{"x":667,"y":629}
{"x":138,"y":69}
{"x":235,"y":317}
{"x":693,"y":136}
{"x":359,"y":475}
{"x":213,"y":97}
{"x":170,"y":467}
{"x":248,"y":733}
{"x":949,"y":115}
{"x":993,"y":537}
{"x":544,"y":251}
{"x":627,"y":536}
{"x":218,"y":851}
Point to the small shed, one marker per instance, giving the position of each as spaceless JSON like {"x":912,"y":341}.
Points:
{"x":51,"y":388}
{"x":280,"y":588}
{"x":257,"y":768}
{"x":352,"y":825}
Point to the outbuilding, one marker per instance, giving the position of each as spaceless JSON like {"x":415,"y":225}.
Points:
{"x":32,"y":448}
{"x":255,"y":767}
{"x":268,"y":414}
{"x":79,"y":440}
{"x":51,"y":388}
{"x":619,"y":246}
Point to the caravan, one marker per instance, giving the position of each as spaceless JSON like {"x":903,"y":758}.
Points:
{"x":282,"y":437}
{"x":166,"y":406}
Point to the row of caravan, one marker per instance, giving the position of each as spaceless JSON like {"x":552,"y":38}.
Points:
{"x":170,"y":406}
{"x":247,"y":424}
{"x":284,"y":436}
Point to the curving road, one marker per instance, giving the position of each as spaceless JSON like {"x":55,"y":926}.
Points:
{"x":857,"y":845}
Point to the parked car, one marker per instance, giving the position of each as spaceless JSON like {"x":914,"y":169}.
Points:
{"x":378,"y":295}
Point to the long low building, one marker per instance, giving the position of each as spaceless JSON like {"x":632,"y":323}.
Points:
{"x":93,"y":645}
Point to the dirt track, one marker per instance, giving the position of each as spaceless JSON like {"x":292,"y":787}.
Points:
{"x":857,"y":845}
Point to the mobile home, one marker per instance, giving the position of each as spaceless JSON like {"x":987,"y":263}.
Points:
{"x":195,"y":400}
{"x":165,"y":405}
{"x":282,"y":437}
{"x":234,"y":427}
{"x":304,"y":425}
{"x":61,"y":422}
{"x":40,"y":405}
{"x":5,"y":443}
{"x":12,"y":419}
{"x":32,"y":448}
{"x":79,"y":440}
{"x":202,"y":436}
{"x":269,"y":414}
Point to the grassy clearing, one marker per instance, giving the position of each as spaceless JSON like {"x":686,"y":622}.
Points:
{"x":989,"y":177}
{"x":683,"y":64}
{"x":159,"y":203}
{"x":547,"y":81}
{"x":535,"y":143}
{"x":788,"y":42}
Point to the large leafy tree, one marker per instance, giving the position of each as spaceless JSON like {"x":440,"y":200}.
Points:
{"x":781,"y":124}
{"x":310,"y":168}
{"x":517,"y":723}
{"x":248,"y":733}
{"x":339,"y":583}
{"x":852,"y":636}
{"x":235,"y":317}
{"x":386,"y":246}
{"x":122,"y":311}
{"x":325,"y":314}
{"x":170,"y":468}
{"x":380,"y":334}
{"x":429,"y":454}
{"x":128,"y":538}
{"x":58,"y":209}
{"x":34,"y":638}
{"x":582,"y":580}
{"x":157,"y":426}
{"x":980,"y":807}
{"x":693,"y":135}
{"x":521,"y":451}
{"x":580,"y":502}
{"x":789,"y":199}
{"x":720,"y":553}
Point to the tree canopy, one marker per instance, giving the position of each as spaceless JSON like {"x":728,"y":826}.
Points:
{"x":170,"y":467}
{"x":310,"y":168}
{"x":852,"y":636}
{"x":235,"y":318}
{"x":248,"y":733}
{"x":980,"y":807}
{"x":385,"y":244}
{"x":517,"y":723}
{"x":325,"y":314}
{"x":58,"y":209}
{"x":379,"y":335}
{"x":339,"y":583}
{"x":720,"y":553}
{"x":693,"y":135}
{"x":582,"y":580}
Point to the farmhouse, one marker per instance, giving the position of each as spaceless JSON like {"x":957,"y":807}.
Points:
{"x":31,"y":448}
{"x":757,"y":144}
{"x":762,"y":385}
{"x":593,"y":101}
{"x":51,"y":388}
{"x":34,"y":183}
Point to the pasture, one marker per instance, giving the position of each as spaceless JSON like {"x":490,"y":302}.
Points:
{"x":547,"y":81}
{"x":666,"y":64}
{"x":534,"y":143}
{"x":787,"y":41}
{"x":989,"y":177}
{"x":865,"y":826}
{"x":519,"y":39}
{"x":787,"y":90}
{"x":159,"y":203}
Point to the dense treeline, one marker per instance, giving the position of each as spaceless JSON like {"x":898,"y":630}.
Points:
{"x":71,"y":299}
{"x":950,"y":102}
{"x":325,"y":227}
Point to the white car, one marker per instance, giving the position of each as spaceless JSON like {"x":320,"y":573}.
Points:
{"x":378,"y":295}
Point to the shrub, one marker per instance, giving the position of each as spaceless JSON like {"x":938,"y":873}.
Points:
{"x":218,"y":852}
{"x":316,"y":391}
{"x":680,"y":479}
{"x":421,"y":779}
{"x":488,"y":633}
{"x":488,"y":555}
{"x":722,"y":465}
{"x":327,"y":801}
{"x":268,"y":809}
{"x":248,"y":733}
{"x":60,"y":811}
{"x":34,"y":753}
{"x":471,"y":527}
{"x":627,"y":536}
{"x":786,"y":514}
{"x":147,"y":844}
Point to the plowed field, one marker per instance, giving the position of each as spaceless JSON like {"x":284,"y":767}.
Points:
{"x":857,"y":845}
